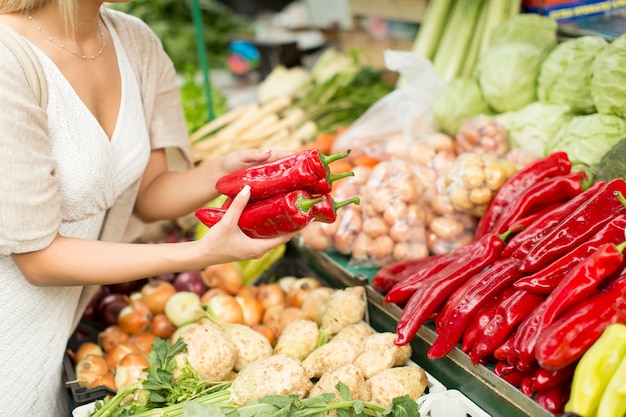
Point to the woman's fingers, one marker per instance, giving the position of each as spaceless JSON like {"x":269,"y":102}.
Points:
{"x":236,"y":207}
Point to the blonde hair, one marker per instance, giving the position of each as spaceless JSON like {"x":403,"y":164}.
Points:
{"x":67,"y":9}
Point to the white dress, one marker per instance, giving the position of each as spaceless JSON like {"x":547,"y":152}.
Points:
{"x":93,"y":172}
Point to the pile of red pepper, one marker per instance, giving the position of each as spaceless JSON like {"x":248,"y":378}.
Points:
{"x":285,"y":194}
{"x":542,"y":280}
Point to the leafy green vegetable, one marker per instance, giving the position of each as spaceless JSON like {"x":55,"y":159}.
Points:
{"x":533,"y":126}
{"x":613,"y":163}
{"x":608,"y":79}
{"x":586,"y":139}
{"x":172,"y":22}
{"x":462,"y":101}
{"x":343,"y":98}
{"x":507,"y":75}
{"x":194,"y":100}
{"x":530,"y":28}
{"x":161,"y":388}
{"x":565,"y":76}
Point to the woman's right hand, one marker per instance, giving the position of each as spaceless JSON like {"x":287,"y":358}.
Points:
{"x":225,"y":242}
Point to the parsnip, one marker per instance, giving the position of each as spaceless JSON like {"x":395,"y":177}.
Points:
{"x":298,"y":339}
{"x":251,"y":345}
{"x":219,"y":122}
{"x":276,"y":375}
{"x":331,"y":356}
{"x":396,"y":382}
{"x":348,"y":374}
{"x":344,"y":307}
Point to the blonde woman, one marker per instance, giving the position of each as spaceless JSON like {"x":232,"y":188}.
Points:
{"x":82,"y":168}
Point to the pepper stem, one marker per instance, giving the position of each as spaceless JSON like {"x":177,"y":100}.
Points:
{"x":305,"y":204}
{"x":504,"y":236}
{"x":620,"y":247}
{"x":354,"y":200}
{"x":327,"y":159}
{"x":334,"y":177}
{"x":620,"y":197}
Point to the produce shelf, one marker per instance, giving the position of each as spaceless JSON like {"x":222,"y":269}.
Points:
{"x":456,"y":371}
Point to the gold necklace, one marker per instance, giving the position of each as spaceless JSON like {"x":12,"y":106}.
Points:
{"x":60,"y":45}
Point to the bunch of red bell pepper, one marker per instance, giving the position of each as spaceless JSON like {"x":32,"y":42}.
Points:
{"x":544,"y":276}
{"x":285,"y":194}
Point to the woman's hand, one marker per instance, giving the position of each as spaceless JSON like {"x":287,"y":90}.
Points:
{"x":243,"y":158}
{"x":225,"y":242}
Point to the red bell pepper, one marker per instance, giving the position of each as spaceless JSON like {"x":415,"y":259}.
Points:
{"x":564,"y":341}
{"x":580,"y":283}
{"x":285,"y":213}
{"x":553,"y":190}
{"x":389,"y":275}
{"x":510,"y":312}
{"x":519,"y":244}
{"x":545,"y":280}
{"x":467,"y":300}
{"x":434,"y":290}
{"x":325,"y":211}
{"x":303,"y":170}
{"x":556,"y":163}
{"x":578,"y":226}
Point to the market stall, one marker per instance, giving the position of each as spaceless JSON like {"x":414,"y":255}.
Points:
{"x":472,"y":215}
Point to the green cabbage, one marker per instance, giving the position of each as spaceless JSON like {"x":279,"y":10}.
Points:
{"x":533,"y":127}
{"x":608,"y":79}
{"x":565,"y":75}
{"x":507,"y":75}
{"x":534,"y":29}
{"x":587,"y":138}
{"x":462,"y":101}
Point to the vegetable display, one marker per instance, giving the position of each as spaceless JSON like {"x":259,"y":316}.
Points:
{"x":525,"y":306}
{"x":227,"y":368}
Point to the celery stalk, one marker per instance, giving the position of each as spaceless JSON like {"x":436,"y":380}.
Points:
{"x":451,"y":54}
{"x":474,"y":47}
{"x":431,"y":28}
{"x":497,"y":13}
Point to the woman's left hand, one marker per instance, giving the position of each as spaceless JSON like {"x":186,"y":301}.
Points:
{"x":243,"y":158}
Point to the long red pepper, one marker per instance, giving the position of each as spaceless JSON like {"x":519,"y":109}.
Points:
{"x":307,"y":169}
{"x":580,"y":283}
{"x":553,"y":399}
{"x":545,"y":280}
{"x":510,"y":312}
{"x":476,"y":326}
{"x":547,"y":378}
{"x":553,"y":190}
{"x":389,"y":275}
{"x":556,"y":163}
{"x":403,"y":290}
{"x":433,"y":291}
{"x":325,"y":211}
{"x":526,"y":386}
{"x":509,"y":373}
{"x":578,"y":226}
{"x":286,"y":213}
{"x":460,"y":307}
{"x":519,"y":244}
{"x":564,"y":341}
